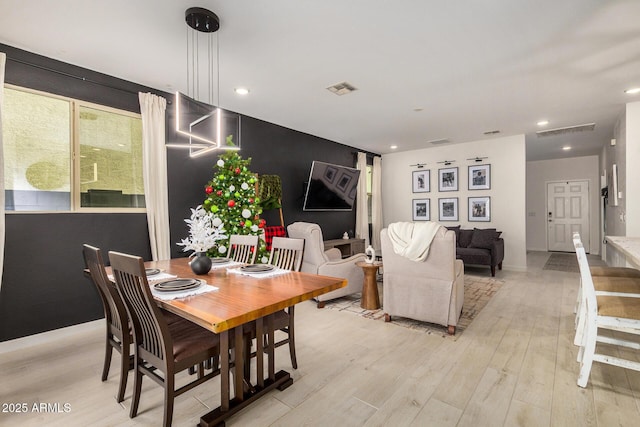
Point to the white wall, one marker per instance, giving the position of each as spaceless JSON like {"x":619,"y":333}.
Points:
{"x":507,"y":159}
{"x":543,"y":171}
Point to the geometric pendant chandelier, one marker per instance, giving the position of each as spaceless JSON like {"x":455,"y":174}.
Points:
{"x":199,"y":121}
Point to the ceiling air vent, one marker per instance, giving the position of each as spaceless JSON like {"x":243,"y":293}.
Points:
{"x":492,"y":132}
{"x":439,"y":141}
{"x":570,"y":129}
{"x":342,"y":88}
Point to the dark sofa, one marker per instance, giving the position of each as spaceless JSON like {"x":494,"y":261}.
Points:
{"x":480,"y":246}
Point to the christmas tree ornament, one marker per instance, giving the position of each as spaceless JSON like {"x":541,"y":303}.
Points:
{"x":208,"y":189}
{"x":232,"y":188}
{"x":244,"y":186}
{"x":219,"y":192}
{"x":231,"y":203}
{"x":220,"y":163}
{"x":246,"y":213}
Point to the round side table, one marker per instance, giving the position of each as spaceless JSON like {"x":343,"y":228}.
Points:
{"x":370,"y":297}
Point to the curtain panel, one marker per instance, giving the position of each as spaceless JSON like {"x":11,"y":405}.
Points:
{"x":154,"y":169}
{"x":376,"y":202}
{"x":362,"y":210}
{"x":3,"y":61}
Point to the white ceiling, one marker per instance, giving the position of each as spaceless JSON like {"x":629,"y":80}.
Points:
{"x":469,"y":66}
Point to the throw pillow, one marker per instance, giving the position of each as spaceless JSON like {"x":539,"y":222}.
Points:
{"x":483,"y":238}
{"x":465,"y":238}
{"x":456,"y":230}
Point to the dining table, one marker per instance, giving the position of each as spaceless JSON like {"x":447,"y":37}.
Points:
{"x":238,"y":300}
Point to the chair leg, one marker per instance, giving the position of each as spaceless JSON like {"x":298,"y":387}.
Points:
{"x":107,"y":360}
{"x":493,"y":271}
{"x":451,"y":330}
{"x":588,"y":351}
{"x":137,"y":388}
{"x":125,"y":361}
{"x":292,"y":339}
{"x":320,"y":304}
{"x":169,"y":384}
{"x":500,"y":265}
{"x":387,"y":317}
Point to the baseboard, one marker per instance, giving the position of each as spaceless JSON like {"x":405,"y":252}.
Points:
{"x":49,"y":336}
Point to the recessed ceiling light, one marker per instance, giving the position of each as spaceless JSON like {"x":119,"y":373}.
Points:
{"x":566,"y":148}
{"x":543,"y":122}
{"x":393,"y":147}
{"x":632,"y":91}
{"x":241,"y":90}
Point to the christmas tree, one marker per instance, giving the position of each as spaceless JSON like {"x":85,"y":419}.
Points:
{"x":231,"y":196}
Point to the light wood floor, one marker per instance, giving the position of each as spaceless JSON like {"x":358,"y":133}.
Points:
{"x":514,"y":366}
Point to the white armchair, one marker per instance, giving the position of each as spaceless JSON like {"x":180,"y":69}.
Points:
{"x":431,"y":290}
{"x":330,"y":263}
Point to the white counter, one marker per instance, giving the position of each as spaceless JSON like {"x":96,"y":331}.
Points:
{"x":627,"y":246}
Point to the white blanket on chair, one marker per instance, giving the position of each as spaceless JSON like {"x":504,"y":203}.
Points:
{"x":412,"y":239}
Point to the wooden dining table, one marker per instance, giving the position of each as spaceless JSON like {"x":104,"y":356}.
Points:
{"x":239,"y":300}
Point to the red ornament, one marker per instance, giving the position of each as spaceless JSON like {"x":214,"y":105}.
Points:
{"x":237,"y":171}
{"x":231,"y":203}
{"x":219,"y":192}
{"x":250,"y":200}
{"x":262,"y":223}
{"x":208,"y":189}
{"x":241,"y":223}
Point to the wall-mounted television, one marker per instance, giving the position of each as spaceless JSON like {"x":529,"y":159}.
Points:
{"x":331,"y":187}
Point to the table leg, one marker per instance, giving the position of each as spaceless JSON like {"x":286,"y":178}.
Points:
{"x":224,"y":370}
{"x":239,"y":363}
{"x":260,"y":352}
{"x":370,"y":297}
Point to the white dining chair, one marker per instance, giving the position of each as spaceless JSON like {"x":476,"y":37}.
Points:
{"x":286,"y":253}
{"x":604,"y":312}
{"x":243,"y":248}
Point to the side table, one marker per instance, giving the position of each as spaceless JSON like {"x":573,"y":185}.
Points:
{"x":370,"y":297}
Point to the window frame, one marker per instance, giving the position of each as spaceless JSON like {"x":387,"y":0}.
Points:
{"x":74,"y":161}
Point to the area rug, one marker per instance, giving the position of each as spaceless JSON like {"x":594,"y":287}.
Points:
{"x":562,"y":262}
{"x":478,"y":290}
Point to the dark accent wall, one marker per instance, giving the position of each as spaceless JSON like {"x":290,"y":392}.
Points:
{"x":43,"y":287}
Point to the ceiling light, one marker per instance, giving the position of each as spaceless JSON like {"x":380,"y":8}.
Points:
{"x":393,"y":147}
{"x":566,"y":148}
{"x":241,"y":90}
{"x":632,"y":91}
{"x":543,"y":122}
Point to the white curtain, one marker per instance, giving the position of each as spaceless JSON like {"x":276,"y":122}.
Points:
{"x":154,"y":170}
{"x":376,"y":202}
{"x":362,"y":212}
{"x":3,"y":60}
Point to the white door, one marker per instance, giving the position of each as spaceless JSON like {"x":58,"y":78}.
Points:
{"x":567,"y":212}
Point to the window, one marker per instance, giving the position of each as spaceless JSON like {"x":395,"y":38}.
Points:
{"x":62,"y":154}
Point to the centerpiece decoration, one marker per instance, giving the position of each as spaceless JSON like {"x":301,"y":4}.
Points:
{"x":205,"y":229}
{"x":231,"y":196}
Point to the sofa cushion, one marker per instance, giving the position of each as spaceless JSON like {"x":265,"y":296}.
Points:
{"x":465,"y":238}
{"x":455,"y":229}
{"x":474,"y":256}
{"x":483,"y":238}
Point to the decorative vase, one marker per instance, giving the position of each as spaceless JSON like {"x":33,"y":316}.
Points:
{"x":201,"y":263}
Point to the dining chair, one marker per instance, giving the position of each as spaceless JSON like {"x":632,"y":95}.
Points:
{"x":613,"y":312}
{"x":159,"y":345}
{"x":243,"y":248}
{"x":621,"y":282}
{"x":286,"y":253}
{"x":118,"y":332}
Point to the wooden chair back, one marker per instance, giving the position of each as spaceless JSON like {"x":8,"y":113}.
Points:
{"x":150,"y":331}
{"x":286,"y":253}
{"x":243,"y":248}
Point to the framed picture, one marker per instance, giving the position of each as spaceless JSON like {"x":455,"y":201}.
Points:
{"x":343,"y":181}
{"x":480,"y":177}
{"x":480,"y":209}
{"x":448,"y":209}
{"x":421,"y":210}
{"x":422,"y":181}
{"x":330,"y":173}
{"x":448,"y":179}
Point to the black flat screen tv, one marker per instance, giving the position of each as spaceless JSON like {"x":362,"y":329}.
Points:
{"x":331,"y":187}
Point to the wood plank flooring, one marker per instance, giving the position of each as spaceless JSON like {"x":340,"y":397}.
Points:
{"x":514,"y":366}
